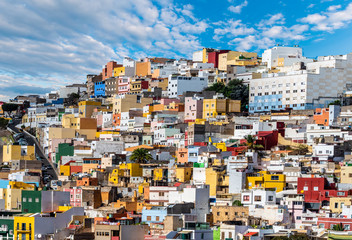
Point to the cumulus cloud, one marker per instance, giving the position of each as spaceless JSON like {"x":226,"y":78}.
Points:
{"x":61,"y":41}
{"x":263,"y":35}
{"x":238,"y":8}
{"x":330,"y":20}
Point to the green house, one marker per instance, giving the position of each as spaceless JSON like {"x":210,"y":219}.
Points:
{"x":31,"y":201}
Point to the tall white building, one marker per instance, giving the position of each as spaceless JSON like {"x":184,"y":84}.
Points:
{"x":180,"y":84}
{"x":321,"y":83}
{"x":283,"y":56}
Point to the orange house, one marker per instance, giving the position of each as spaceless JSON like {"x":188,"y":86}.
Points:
{"x":182,"y":155}
{"x":116,"y":119}
{"x":321,"y":116}
{"x":87,"y":182}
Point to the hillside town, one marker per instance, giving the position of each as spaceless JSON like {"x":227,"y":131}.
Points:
{"x":227,"y":145}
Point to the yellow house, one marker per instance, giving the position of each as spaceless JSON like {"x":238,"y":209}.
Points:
{"x":184,"y":174}
{"x":231,"y":58}
{"x":61,"y":133}
{"x":65,"y":170}
{"x":214,"y":178}
{"x":114,"y":176}
{"x":12,"y":197}
{"x":133,"y":169}
{"x":18,"y":152}
{"x":215,"y":107}
{"x":268,"y":181}
{"x":119,"y":71}
{"x":221,"y":146}
{"x":159,"y":174}
{"x":346,"y":174}
{"x":82,"y":126}
{"x":125,"y":102}
{"x":24,"y":227}
{"x":337,"y":203}
{"x":86,"y":108}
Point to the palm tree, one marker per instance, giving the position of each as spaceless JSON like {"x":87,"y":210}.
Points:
{"x":141,"y":155}
{"x":338,"y":227}
{"x":250,"y":143}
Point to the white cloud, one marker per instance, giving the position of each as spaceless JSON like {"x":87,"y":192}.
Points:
{"x":334,"y":8}
{"x":232,"y":28}
{"x":330,"y":20}
{"x":311,"y":5}
{"x":238,"y":8}
{"x":276,"y":19}
{"x":62,"y":41}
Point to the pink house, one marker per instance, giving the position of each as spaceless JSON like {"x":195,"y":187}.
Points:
{"x":167,"y":101}
{"x":193,"y":108}
{"x":124,"y":85}
{"x":75,"y":196}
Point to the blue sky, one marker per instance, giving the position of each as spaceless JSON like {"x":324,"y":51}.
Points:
{"x":45,"y":44}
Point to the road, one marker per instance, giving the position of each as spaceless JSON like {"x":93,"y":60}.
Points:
{"x":38,"y":149}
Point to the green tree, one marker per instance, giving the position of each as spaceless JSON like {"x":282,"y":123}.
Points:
{"x":250,"y":143}
{"x":235,"y":90}
{"x":338,"y":227}
{"x":336,"y":102}
{"x":141,"y":155}
{"x":3,"y":123}
{"x":237,"y":203}
{"x":218,"y":87}
{"x":9,"y":107}
{"x":72,"y":99}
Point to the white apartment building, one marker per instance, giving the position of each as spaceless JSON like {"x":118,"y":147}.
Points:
{"x":283,"y":56}
{"x":321,"y":83}
{"x":180,"y":84}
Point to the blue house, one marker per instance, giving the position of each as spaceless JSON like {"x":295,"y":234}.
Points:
{"x":193,"y":152}
{"x":154,"y":215}
{"x":99,"y":89}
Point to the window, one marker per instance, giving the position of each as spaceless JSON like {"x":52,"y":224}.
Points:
{"x":271,"y":198}
{"x":161,"y":194}
{"x":257,"y":198}
{"x":273,"y":93}
{"x":280,"y":92}
{"x":218,"y":213}
{"x":287,"y":84}
{"x":266,"y":93}
{"x":24,"y":200}
{"x":226,"y":213}
{"x":340,"y":194}
{"x":29,"y":199}
{"x":305,"y":188}
{"x":294,"y":91}
{"x":287,"y":91}
{"x":316,"y":188}
{"x":149,"y":218}
{"x":36,"y":200}
{"x":303,"y":90}
{"x":274,"y":177}
{"x":346,"y":227}
{"x":157,"y":218}
{"x":298,"y":218}
{"x":245,"y":197}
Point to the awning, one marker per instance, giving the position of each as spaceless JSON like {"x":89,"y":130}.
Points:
{"x":250,"y":234}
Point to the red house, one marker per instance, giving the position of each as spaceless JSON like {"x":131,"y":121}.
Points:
{"x":213,"y":57}
{"x":328,"y":223}
{"x":267,"y":139}
{"x":318,"y":190}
